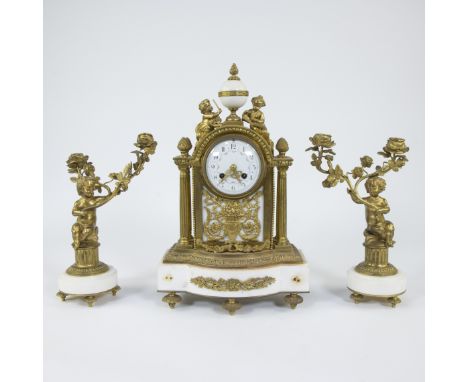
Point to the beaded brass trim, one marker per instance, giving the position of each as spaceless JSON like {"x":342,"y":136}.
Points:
{"x":376,"y":263}
{"x":371,"y":270}
{"x":246,"y":247}
{"x":232,"y":285}
{"x":233,"y":93}
{"x":234,"y":260}
{"x":75,"y":270}
{"x":225,"y":132}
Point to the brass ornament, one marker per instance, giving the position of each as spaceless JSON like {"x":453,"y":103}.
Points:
{"x":85,"y":231}
{"x":234,"y":71}
{"x":235,"y":89}
{"x":255,"y":117}
{"x":229,"y":219}
{"x":378,"y":236}
{"x":210,"y":121}
{"x":232,"y":285}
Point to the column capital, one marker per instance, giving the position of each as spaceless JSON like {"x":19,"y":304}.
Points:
{"x":183,"y":161}
{"x":282,"y":162}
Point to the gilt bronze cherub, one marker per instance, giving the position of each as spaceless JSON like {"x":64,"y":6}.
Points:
{"x":379,"y":231}
{"x":210,"y":121}
{"x":84,"y":231}
{"x":255,"y":117}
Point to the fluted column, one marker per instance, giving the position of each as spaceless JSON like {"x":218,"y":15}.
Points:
{"x":282,"y":162}
{"x":183,"y":161}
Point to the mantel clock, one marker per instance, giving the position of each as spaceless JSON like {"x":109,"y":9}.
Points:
{"x":233,"y":225}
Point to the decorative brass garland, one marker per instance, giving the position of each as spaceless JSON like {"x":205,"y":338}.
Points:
{"x":379,"y":232}
{"x":232,"y":285}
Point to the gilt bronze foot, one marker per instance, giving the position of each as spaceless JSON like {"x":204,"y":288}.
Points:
{"x":90,"y":300}
{"x":293,"y":299}
{"x":115,"y":290}
{"x":394,"y":300}
{"x":357,"y":297}
{"x":61,"y":295}
{"x":172,"y":299}
{"x":231,"y":305}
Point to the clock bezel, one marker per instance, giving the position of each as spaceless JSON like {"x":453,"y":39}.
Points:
{"x":239,"y":137}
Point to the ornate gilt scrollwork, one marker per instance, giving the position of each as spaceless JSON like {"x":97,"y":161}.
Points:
{"x":226,"y":220}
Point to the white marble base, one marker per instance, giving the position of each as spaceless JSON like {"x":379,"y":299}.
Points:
{"x":87,"y":285}
{"x":288,"y":279}
{"x":376,"y":286}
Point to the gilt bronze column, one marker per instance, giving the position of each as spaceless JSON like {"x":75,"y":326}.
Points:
{"x":282,"y":163}
{"x":183,"y":162}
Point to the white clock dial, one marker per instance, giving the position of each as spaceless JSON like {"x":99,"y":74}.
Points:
{"x":233,"y":166}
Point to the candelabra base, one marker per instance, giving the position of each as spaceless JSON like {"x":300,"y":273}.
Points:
{"x":386,"y":288}
{"x":88,"y":288}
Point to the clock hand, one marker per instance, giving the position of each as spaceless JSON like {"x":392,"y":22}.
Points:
{"x":233,"y":173}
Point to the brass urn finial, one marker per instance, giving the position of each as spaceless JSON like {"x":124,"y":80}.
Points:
{"x":184,"y":145}
{"x":282,"y":146}
{"x":234,"y":73}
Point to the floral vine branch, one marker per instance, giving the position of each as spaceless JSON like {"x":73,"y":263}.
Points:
{"x":79,"y":164}
{"x":394,"y":153}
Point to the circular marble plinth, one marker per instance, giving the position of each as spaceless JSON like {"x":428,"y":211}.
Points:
{"x":378,"y":286}
{"x":82,"y":285}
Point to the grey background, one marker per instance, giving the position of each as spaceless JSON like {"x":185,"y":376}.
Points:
{"x":112,"y":69}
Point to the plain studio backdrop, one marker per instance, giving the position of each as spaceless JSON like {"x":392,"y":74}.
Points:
{"x":353,"y":69}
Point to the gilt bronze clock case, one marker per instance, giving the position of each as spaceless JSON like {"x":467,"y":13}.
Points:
{"x":233,"y":225}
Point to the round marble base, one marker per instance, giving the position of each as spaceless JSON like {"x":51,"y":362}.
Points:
{"x":87,"y":285}
{"x":376,"y":286}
